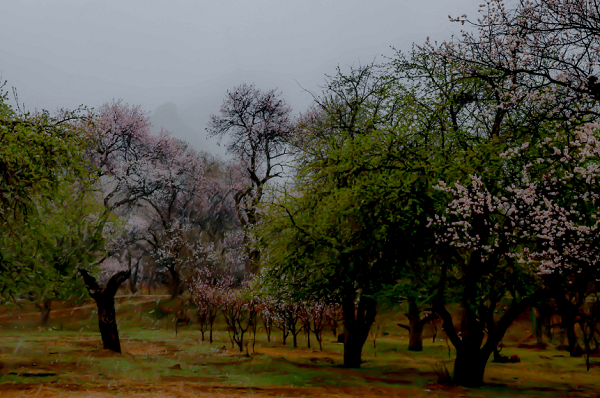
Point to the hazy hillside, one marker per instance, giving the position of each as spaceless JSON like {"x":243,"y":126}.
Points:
{"x":192,"y":130}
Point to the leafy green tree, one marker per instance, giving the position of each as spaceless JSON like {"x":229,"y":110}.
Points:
{"x":62,"y":234}
{"x":41,"y":165}
{"x":346,"y":228}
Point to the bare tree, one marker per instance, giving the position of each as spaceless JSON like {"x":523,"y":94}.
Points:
{"x":257,"y":124}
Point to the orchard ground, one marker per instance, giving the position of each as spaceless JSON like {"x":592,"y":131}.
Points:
{"x":67,"y":360}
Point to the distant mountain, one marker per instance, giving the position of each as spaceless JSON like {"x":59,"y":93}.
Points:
{"x":167,"y":117}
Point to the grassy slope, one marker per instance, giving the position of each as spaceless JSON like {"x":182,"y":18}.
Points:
{"x":157,"y":363}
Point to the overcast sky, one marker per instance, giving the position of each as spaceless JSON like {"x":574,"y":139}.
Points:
{"x":63,"y":53}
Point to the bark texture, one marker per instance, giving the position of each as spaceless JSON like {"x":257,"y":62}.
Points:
{"x":357,"y":323}
{"x":105,"y":300}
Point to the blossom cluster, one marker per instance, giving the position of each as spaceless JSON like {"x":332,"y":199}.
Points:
{"x":549,"y":217}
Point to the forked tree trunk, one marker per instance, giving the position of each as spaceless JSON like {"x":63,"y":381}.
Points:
{"x":473,"y":349}
{"x":415,"y":326}
{"x":105,"y":300}
{"x":357,"y":323}
{"x":469,"y":366}
{"x":295,"y":332}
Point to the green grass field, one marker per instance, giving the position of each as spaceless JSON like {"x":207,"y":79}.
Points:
{"x":67,"y":360}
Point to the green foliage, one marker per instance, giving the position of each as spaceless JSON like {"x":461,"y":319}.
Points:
{"x":365,"y":215}
{"x":48,"y":216}
{"x":361,"y":196}
{"x":37,"y":153}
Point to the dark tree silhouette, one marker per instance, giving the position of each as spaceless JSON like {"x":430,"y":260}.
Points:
{"x":105,"y":300}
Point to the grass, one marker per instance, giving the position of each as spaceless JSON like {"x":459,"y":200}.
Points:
{"x":67,"y":360}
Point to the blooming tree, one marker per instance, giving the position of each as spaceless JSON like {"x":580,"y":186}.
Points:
{"x":535,"y":235}
{"x":314,"y":319}
{"x":206,"y":288}
{"x":123,"y":151}
{"x":239,"y":307}
{"x":550,"y":41}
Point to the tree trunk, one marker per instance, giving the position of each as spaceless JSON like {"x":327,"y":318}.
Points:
{"x":469,"y":366}
{"x":174,"y":283}
{"x":415,"y":338}
{"x":45,"y":307}
{"x":574,"y":347}
{"x":105,"y":300}
{"x":415,"y":326}
{"x":240,"y":341}
{"x":471,"y":356}
{"x":133,"y":286}
{"x":538,"y":325}
{"x":268,"y":327}
{"x":135,"y":275}
{"x":319,"y":337}
{"x":211,"y":321}
{"x":357,"y":323}
{"x":415,"y":342}
{"x":254,"y":327}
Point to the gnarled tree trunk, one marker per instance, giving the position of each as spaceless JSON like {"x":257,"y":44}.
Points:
{"x":105,"y":300}
{"x":473,"y":349}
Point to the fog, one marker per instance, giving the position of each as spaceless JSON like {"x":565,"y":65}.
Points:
{"x":177,"y":58}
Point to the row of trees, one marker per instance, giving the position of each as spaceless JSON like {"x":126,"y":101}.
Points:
{"x":244,"y":309}
{"x":460,"y":175}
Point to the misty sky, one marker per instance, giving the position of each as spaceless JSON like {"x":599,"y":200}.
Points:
{"x":63,"y":53}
